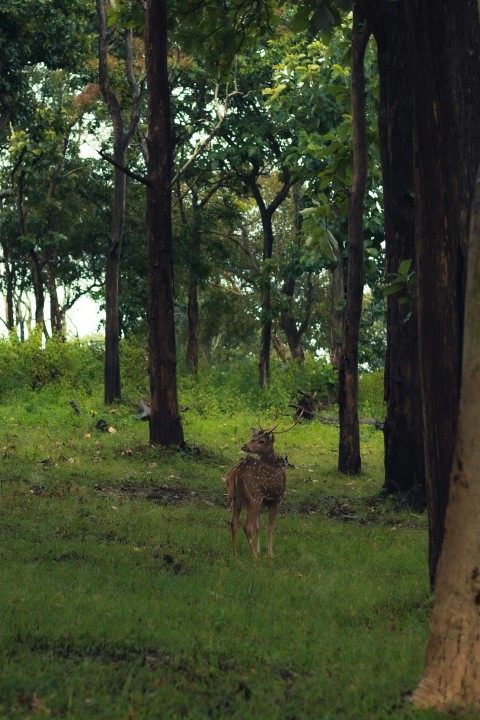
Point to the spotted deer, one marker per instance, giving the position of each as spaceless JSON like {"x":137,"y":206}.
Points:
{"x":256,"y":483}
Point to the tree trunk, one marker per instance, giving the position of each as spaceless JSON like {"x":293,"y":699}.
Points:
{"x":279,"y":349}
{"x":266,"y":296}
{"x":293,"y":331}
{"x":403,"y":431}
{"x":165,"y":425}
{"x":56,"y":317}
{"x":193,"y":324}
{"x":112,"y":380}
{"x":9,"y":272}
{"x":452,"y":672}
{"x":349,"y":446}
{"x":337,"y":299}
{"x":121,"y":140}
{"x":444,"y":47}
{"x":266,"y":214}
{"x":38,"y":291}
{"x":265,"y":333}
{"x":193,"y":312}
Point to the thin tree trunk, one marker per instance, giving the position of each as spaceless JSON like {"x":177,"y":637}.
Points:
{"x":193,"y":311}
{"x":32,"y":257}
{"x":293,"y":331}
{"x":349,"y":446}
{"x":56,"y":317}
{"x":266,"y":214}
{"x":452,"y":672}
{"x":337,"y":299}
{"x":266,"y":322}
{"x":165,"y":424}
{"x":112,"y":378}
{"x":121,"y":140}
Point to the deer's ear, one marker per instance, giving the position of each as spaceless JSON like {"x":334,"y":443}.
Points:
{"x":254,"y":431}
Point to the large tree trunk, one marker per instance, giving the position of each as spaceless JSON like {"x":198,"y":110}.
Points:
{"x":403,"y":432}
{"x":444,"y":47}
{"x":165,"y":425}
{"x":452,"y":672}
{"x":349,"y":446}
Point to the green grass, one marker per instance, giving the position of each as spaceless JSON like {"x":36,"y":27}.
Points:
{"x":120,"y":598}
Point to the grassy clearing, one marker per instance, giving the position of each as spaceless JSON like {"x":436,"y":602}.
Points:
{"x":119,"y":596}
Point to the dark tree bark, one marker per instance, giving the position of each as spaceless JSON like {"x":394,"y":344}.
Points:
{"x":165,"y":424}
{"x":56,"y":314}
{"x":266,"y":215}
{"x":337,"y":300}
{"x":349,"y":446}
{"x":404,"y":446}
{"x":121,"y":140}
{"x":294,"y":330}
{"x":444,"y":48}
{"x":9,"y":279}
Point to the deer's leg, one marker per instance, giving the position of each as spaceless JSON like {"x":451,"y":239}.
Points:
{"x":272,"y":514}
{"x":237,"y":508}
{"x":257,"y":533}
{"x":251,"y":526}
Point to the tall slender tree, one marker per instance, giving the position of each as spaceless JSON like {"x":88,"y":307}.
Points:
{"x":122,"y":135}
{"x":349,"y":447}
{"x":165,"y":423}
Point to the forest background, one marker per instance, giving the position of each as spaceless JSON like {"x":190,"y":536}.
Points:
{"x":291,"y":224}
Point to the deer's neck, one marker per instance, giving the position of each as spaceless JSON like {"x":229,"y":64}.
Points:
{"x":268,"y":457}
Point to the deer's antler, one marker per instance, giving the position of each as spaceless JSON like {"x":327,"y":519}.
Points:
{"x":291,"y":426}
{"x":264,"y":430}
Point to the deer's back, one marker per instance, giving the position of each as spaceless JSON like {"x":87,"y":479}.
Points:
{"x":256,"y":480}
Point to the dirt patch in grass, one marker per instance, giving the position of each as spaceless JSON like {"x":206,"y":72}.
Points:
{"x":159,"y":494}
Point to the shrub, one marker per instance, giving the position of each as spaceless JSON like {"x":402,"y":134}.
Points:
{"x":31,"y":365}
{"x":370,"y":392}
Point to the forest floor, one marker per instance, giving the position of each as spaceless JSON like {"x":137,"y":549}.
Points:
{"x":120,"y":597}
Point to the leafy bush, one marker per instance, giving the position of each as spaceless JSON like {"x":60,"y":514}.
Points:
{"x":32,"y":365}
{"x":225,"y":388}
{"x":370,"y":392}
{"x":229,"y":388}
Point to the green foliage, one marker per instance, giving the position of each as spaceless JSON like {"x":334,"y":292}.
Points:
{"x":33,"y":365}
{"x":370,"y":395}
{"x":403,"y":283}
{"x":233,"y":387}
{"x":57,"y":367}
